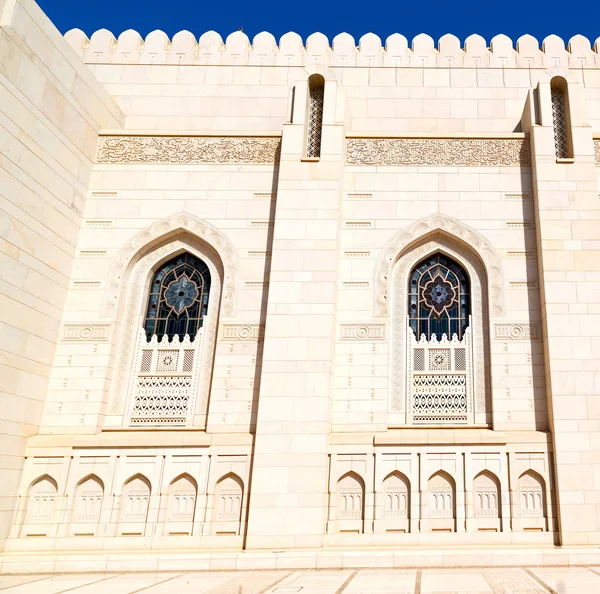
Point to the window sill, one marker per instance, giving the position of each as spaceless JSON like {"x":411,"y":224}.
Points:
{"x":310,"y":159}
{"x":569,"y":160}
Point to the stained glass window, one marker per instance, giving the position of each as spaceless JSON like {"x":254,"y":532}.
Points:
{"x":438,"y":298}
{"x":178,"y":298}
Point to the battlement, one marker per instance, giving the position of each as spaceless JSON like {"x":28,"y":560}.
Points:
{"x":184,"y":48}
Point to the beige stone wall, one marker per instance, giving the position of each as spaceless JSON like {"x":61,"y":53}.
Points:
{"x":423,"y":148}
{"x":51,"y":110}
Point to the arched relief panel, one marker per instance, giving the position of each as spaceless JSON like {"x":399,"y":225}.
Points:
{"x":135,"y":503}
{"x":182,"y":497}
{"x":532,"y":501}
{"x":396,"y":494}
{"x":134,"y":311}
{"x":228,"y":502}
{"x":441,"y":225}
{"x":43,"y":501}
{"x":351,"y":503}
{"x":89,"y":495}
{"x":442,"y":502}
{"x":486,"y":489}
{"x":433,"y":243}
{"x":157,"y":233}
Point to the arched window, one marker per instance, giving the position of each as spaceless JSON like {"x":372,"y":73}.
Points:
{"x":558,"y":92}
{"x":316,"y":89}
{"x":438,"y":298}
{"x":178,"y":298}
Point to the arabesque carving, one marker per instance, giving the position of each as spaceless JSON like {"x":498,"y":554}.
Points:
{"x":178,"y":222}
{"x":453,"y":228}
{"x":467,"y":152}
{"x":189,"y":150}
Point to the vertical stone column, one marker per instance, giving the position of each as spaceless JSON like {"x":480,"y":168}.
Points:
{"x":288,"y":498}
{"x":568,"y":244}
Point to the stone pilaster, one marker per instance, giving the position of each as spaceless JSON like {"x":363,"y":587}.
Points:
{"x":568,"y":234}
{"x":288,"y":500}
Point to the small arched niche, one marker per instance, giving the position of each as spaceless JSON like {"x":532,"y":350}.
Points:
{"x":42,"y":505}
{"x":135,"y":503}
{"x":396,"y":502}
{"x":183,"y":492}
{"x":532,"y":501}
{"x":89,"y":496}
{"x":442,"y":502}
{"x":351,"y":503}
{"x":229,"y":495}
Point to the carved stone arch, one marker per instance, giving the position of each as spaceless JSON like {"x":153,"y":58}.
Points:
{"x":419,"y":230}
{"x":40,"y":479}
{"x":140,"y":271}
{"x":138,"y":476}
{"x":187,"y":476}
{"x":146,"y":239}
{"x":413,"y":252}
{"x":88,"y":477}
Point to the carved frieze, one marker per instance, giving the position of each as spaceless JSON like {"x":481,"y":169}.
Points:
{"x":516,"y":331}
{"x":86,"y":332}
{"x":189,"y":150}
{"x":362,"y":331}
{"x":467,"y":152}
{"x":242,"y":332}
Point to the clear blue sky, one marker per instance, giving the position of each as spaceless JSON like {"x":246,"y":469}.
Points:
{"x":434,"y":17}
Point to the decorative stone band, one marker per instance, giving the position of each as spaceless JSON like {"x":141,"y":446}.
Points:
{"x":597,"y":151}
{"x":362,"y":331}
{"x":516,"y":332}
{"x":189,"y":150}
{"x":467,"y":152}
{"x":86,"y":332}
{"x":242,"y":332}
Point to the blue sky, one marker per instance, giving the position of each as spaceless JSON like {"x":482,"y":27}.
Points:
{"x":434,"y":17}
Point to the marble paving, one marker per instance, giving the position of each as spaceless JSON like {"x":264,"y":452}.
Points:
{"x":508,"y":580}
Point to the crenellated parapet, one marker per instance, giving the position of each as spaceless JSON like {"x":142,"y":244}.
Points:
{"x":236,"y":50}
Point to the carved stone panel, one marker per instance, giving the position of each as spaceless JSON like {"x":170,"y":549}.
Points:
{"x":467,"y":152}
{"x":189,"y":150}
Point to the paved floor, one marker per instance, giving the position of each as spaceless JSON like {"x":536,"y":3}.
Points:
{"x":549,"y":580}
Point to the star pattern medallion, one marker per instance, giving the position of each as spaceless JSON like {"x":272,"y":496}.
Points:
{"x":181,"y":293}
{"x":438,"y":294}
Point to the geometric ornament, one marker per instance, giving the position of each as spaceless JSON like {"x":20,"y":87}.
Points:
{"x":181,"y":293}
{"x":438,"y":294}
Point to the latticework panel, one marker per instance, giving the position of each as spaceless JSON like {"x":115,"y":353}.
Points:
{"x":559,"y":121}
{"x":315,"y":121}
{"x":439,"y":394}
{"x":161,"y":400}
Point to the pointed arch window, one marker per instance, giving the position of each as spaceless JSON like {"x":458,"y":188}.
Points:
{"x":178,"y":300}
{"x":438,"y":298}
